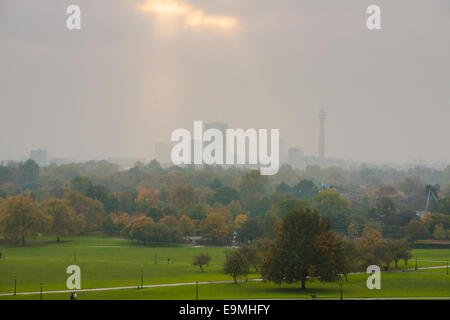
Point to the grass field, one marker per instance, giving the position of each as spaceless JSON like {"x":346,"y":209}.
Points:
{"x":111,"y":262}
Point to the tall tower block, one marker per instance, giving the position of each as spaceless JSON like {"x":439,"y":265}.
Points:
{"x":322,"y":134}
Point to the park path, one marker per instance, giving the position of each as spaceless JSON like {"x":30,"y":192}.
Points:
{"x":127,"y":287}
{"x":202,"y":283}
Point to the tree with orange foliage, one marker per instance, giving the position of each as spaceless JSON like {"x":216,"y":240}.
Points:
{"x":20,"y":217}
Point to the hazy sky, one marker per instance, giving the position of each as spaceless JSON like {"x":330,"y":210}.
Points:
{"x":139,"y":69}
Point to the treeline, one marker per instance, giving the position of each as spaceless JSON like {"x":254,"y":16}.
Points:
{"x":220,"y":202}
{"x":306,"y":248}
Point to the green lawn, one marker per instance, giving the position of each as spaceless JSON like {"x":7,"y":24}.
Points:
{"x":400,"y":284}
{"x":110,"y":262}
{"x":104,"y":262}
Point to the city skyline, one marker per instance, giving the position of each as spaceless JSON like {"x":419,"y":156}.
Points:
{"x":134,"y":73}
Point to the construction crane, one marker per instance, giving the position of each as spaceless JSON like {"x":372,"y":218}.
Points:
{"x":433,"y":201}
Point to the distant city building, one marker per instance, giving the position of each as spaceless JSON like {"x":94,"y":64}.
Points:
{"x":322,"y":134}
{"x":222,"y":127}
{"x":39,"y":156}
{"x":162,"y":152}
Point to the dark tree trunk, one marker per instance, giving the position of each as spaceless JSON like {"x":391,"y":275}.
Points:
{"x":303,"y":284}
{"x":235,"y":282}
{"x":23,"y":241}
{"x":57,"y":239}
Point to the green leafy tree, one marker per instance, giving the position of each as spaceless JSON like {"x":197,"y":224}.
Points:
{"x":439,"y":232}
{"x":236,"y":264}
{"x":254,"y":256}
{"x":224,"y":195}
{"x":400,"y":250}
{"x":330,"y":202}
{"x":269,"y":224}
{"x":202,"y":259}
{"x":251,"y":229}
{"x":28,"y":172}
{"x":287,"y":205}
{"x":416,"y":230}
{"x":304,"y":247}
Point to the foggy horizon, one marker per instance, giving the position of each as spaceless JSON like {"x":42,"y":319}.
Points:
{"x":132,"y":75}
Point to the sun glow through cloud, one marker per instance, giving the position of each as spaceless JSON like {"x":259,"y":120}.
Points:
{"x":193,"y":17}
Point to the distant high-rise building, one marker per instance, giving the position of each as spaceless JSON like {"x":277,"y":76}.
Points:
{"x":322,"y":134}
{"x":39,"y":156}
{"x":222,"y":127}
{"x":162,"y":153}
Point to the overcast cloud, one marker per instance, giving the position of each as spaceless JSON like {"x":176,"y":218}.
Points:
{"x":131,"y":76}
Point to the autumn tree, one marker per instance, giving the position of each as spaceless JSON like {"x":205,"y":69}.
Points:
{"x":135,"y":229}
{"x":370,"y":247}
{"x":214,"y":226}
{"x":304,"y":246}
{"x":64,"y":221}
{"x":202,"y":259}
{"x":186,"y":226}
{"x":90,"y":208}
{"x":240,"y":220}
{"x":20,"y":217}
{"x":170,"y":221}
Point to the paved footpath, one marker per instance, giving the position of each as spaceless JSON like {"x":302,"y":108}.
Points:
{"x":125,"y":288}
{"x":213,"y":282}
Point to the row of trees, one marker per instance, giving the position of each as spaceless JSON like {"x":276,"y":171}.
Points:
{"x":223,"y":201}
{"x":21,"y":217}
{"x":307,"y":248}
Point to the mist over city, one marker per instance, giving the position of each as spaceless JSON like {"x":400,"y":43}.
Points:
{"x":132,"y":75}
{"x":225,"y":158}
